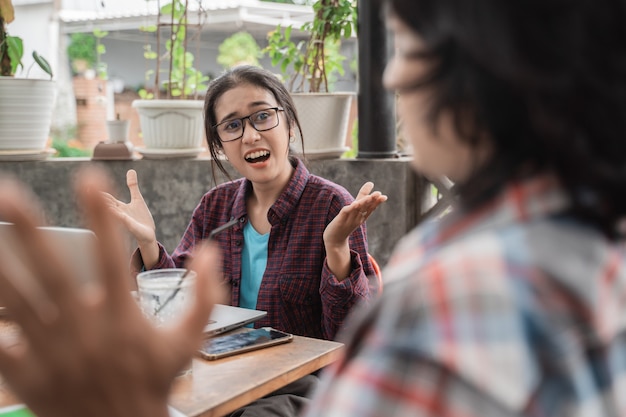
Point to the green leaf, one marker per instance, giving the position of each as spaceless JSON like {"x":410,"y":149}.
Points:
{"x":150,"y":55}
{"x":15,"y":51}
{"x":166,"y":9}
{"x":150,"y":29}
{"x":347,"y":31}
{"x":43,"y":63}
{"x":144,"y":94}
{"x":100,"y":33}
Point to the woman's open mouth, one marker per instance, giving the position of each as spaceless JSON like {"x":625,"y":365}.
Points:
{"x":258,"y":156}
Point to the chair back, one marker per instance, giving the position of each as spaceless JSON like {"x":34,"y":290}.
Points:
{"x":378,"y":273}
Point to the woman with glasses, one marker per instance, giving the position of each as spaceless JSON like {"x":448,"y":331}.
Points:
{"x":298,"y":249}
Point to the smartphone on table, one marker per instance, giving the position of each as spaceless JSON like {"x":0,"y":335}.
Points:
{"x":232,"y":344}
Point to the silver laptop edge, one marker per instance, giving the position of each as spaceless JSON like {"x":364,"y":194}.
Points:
{"x":225,"y":318}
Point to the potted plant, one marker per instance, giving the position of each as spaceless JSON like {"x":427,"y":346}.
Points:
{"x":85,"y":52}
{"x":26,"y":105}
{"x":82,"y":53}
{"x":171,"y":114}
{"x":310,"y":66}
{"x":239,"y":49}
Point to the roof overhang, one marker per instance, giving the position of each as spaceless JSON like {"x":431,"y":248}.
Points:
{"x":253,"y":16}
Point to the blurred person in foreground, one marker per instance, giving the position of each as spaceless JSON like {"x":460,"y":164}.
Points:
{"x":90,"y":351}
{"x":513,"y":304}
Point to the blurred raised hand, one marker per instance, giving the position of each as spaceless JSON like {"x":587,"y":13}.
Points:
{"x":90,"y":351}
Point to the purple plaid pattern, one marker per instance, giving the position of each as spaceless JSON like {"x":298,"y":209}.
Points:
{"x":298,"y":290}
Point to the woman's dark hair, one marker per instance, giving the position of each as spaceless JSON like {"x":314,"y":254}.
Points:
{"x":235,"y":77}
{"x":544,"y":80}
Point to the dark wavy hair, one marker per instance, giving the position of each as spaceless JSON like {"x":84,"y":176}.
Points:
{"x":235,"y":77}
{"x":545,"y":80}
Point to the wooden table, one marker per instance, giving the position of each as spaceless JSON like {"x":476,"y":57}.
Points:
{"x":215,"y":388}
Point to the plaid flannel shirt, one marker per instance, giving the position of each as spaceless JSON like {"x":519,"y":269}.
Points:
{"x":513,"y":309}
{"x":299,"y":292}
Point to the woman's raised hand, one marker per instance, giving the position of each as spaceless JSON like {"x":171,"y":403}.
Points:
{"x":137,"y":219}
{"x":353,"y":215}
{"x":339,"y":229}
{"x":135,"y":215}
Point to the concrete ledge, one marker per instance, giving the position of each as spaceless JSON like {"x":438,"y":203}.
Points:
{"x":173,"y":187}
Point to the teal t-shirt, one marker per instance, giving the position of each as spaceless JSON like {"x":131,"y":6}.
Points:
{"x":253,"y":263}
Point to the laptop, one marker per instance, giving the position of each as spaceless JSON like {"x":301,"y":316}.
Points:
{"x":225,"y":318}
{"x":74,"y":244}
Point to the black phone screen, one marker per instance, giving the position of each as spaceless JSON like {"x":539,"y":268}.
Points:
{"x":233,"y":342}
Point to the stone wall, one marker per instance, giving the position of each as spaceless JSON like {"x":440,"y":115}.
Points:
{"x":172,"y":189}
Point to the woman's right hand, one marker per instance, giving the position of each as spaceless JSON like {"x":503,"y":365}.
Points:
{"x":137,"y":219}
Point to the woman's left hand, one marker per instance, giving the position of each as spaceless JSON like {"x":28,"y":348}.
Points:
{"x":353,"y":215}
{"x":341,"y":227}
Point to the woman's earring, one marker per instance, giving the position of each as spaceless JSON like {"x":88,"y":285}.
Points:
{"x":292,"y":139}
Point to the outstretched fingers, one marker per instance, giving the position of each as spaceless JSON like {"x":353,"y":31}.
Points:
{"x":365,"y":190}
{"x":35,"y":286}
{"x":353,"y":215}
{"x":367,"y":201}
{"x":207,"y":263}
{"x":92,"y":188}
{"x":133,"y":185}
{"x":9,"y":361}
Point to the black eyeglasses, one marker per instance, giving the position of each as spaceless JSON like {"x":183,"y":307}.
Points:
{"x":261,"y":121}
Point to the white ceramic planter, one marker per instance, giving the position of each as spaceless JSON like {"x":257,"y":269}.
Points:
{"x":171,"y":124}
{"x":26,"y":107}
{"x":118,"y":130}
{"x":324,"y":118}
